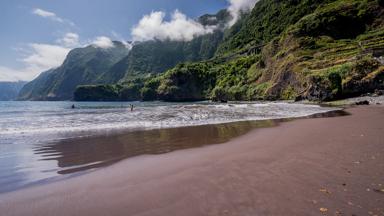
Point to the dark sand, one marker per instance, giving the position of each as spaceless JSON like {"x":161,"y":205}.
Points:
{"x":297,"y":168}
{"x":79,"y":154}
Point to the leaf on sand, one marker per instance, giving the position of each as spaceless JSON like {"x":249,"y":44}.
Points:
{"x":379,"y":190}
{"x":323,"y":210}
{"x":323,"y":190}
{"x":338,"y":212}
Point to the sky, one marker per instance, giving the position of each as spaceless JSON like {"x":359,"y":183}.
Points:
{"x":36,"y":35}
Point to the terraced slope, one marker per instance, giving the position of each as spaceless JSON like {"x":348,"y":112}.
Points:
{"x":320,"y":50}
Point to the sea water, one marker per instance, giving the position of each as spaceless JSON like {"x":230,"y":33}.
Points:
{"x":28,"y":130}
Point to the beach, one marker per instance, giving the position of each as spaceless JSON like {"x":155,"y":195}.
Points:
{"x":330,"y":166}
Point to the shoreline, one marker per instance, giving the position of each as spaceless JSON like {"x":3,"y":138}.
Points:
{"x":291,"y":169}
{"x":63,"y":158}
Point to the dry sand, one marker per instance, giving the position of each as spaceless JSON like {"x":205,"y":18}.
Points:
{"x":331,"y":166}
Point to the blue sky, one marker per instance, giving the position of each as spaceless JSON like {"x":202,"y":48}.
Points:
{"x":36,"y":34}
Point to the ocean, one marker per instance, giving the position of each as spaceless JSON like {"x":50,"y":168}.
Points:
{"x":46,"y":141}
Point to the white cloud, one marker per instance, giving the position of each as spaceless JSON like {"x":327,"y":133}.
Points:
{"x":118,"y":37}
{"x":236,"y":7}
{"x":69,"y":40}
{"x":21,"y":74}
{"x":39,"y":58}
{"x":12,"y":75}
{"x":179,"y":28}
{"x":45,"y":55}
{"x":102,"y":42}
{"x":128,"y":45}
{"x":50,"y":15}
{"x":43,"y":13}
{"x":47,"y":14}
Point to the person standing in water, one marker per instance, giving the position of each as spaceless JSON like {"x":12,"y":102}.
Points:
{"x":131,"y":107}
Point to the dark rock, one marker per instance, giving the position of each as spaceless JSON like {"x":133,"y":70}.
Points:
{"x":379,"y":92}
{"x":299,"y":98}
{"x":362,"y":84}
{"x":320,"y":89}
{"x":96,"y":93}
{"x":364,"y":102}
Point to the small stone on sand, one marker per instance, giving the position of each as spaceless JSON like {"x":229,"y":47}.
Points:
{"x":323,"y":210}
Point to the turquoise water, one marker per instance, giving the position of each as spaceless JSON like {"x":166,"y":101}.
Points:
{"x":27,"y":127}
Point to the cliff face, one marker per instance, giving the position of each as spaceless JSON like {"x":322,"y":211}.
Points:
{"x":154,"y":57}
{"x":334,"y":51}
{"x":82,"y":66}
{"x":293,"y":49}
{"x":96,"y":66}
{"x":331,"y":53}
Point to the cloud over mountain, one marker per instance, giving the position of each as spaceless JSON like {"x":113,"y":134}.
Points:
{"x":39,"y":57}
{"x":153,"y":26}
{"x":179,"y":28}
{"x":237,"y":7}
{"x":70,"y":39}
{"x":45,"y":55}
{"x":102,"y":42}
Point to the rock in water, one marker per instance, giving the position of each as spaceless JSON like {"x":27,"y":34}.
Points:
{"x":365,"y":102}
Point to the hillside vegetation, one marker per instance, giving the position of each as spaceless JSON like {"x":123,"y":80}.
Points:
{"x":86,"y":65}
{"x":91,"y":65}
{"x":294,"y":49}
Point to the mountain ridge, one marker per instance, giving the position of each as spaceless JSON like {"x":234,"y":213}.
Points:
{"x":81,"y":66}
{"x":305,"y":56}
{"x":143,"y":60}
{"x":294,"y":49}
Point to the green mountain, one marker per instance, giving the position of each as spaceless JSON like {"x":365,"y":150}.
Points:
{"x":156,"y":56}
{"x":10,"y":90}
{"x":86,"y":65}
{"x":90,"y":66}
{"x":294,"y":49}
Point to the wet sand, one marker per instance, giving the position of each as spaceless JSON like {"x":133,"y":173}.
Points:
{"x":80,"y":154}
{"x":63,"y":158}
{"x":332,"y":166}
